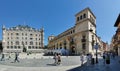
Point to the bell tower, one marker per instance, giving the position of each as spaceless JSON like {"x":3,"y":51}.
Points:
{"x":85,"y":21}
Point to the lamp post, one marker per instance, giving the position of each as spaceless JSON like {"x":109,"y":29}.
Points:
{"x":96,"y":46}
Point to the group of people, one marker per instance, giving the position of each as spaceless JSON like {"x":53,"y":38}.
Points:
{"x":57,"y":58}
{"x":15,"y":60}
{"x":107,"y":56}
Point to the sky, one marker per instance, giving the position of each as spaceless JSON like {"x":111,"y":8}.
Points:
{"x":56,"y":16}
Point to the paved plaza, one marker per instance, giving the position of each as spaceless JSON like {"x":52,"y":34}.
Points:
{"x":43,"y":63}
{"x":46,"y":63}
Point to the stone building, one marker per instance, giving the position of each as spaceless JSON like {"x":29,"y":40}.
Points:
{"x":22,"y":39}
{"x":80,"y":38}
{"x":116,"y":38}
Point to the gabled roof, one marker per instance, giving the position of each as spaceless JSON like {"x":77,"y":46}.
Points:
{"x":117,"y":21}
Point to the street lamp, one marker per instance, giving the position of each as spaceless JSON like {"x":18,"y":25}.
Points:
{"x":96,"y":46}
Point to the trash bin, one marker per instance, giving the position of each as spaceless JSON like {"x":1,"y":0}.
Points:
{"x":92,"y":61}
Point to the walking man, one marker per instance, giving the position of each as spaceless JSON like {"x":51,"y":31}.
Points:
{"x":55,"y":58}
{"x":16,"y":57}
{"x":82,"y":59}
{"x":3,"y":56}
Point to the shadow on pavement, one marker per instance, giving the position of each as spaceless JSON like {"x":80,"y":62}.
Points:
{"x":51,"y":64}
{"x":79,"y":68}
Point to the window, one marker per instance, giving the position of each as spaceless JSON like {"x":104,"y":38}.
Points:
{"x":8,"y":43}
{"x":31,"y":43}
{"x":26,"y":38}
{"x":11,"y":43}
{"x":77,"y":18}
{"x":18,"y":47}
{"x":36,"y":47}
{"x":7,"y":47}
{"x":15,"y":47}
{"x":26,"y":43}
{"x":8,"y":37}
{"x":17,"y":33}
{"x":17,"y":42}
{"x":80,"y":17}
{"x":8,"y":33}
{"x":84,"y":15}
{"x":22,"y":33}
{"x":31,"y":38}
{"x":83,"y":46}
{"x":33,"y":47}
{"x":26,"y":34}
{"x":36,"y":43}
{"x":71,"y":32}
{"x":11,"y":47}
{"x":29,"y":47}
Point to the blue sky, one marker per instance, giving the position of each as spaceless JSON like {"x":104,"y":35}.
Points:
{"x":57,"y":16}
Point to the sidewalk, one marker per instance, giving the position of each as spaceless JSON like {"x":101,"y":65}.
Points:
{"x":113,"y":66}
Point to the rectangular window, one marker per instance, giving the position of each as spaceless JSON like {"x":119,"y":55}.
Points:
{"x":83,"y":46}
{"x":17,"y":33}
{"x":7,"y":47}
{"x":81,"y":17}
{"x":77,"y":18}
{"x":29,"y":47}
{"x":18,"y":47}
{"x":26,"y":43}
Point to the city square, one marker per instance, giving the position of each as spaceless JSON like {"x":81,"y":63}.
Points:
{"x":65,"y":35}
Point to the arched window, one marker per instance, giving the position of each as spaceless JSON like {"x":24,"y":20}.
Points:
{"x":84,"y":15}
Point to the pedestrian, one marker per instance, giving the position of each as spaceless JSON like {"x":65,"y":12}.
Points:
{"x":107,"y":58}
{"x":55,"y":58}
{"x":88,"y":59}
{"x":82,"y":59}
{"x":104,"y":55}
{"x":2,"y":57}
{"x":59,"y":59}
{"x":16,"y":57}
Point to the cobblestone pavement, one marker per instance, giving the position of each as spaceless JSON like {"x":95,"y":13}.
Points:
{"x":113,"y":66}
